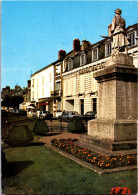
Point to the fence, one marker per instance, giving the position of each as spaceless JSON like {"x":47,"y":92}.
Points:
{"x":5,"y":127}
{"x":62,"y":126}
{"x":54,"y":125}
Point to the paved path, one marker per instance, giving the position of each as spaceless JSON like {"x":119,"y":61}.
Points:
{"x":64,"y":135}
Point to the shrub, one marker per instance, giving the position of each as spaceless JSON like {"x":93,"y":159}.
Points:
{"x":40,"y":127}
{"x":19,"y":135}
{"x":76,"y":126}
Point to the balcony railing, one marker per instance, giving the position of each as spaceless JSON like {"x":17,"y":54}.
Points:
{"x":56,"y":93}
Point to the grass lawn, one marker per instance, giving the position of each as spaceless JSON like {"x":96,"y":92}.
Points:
{"x":40,"y":170}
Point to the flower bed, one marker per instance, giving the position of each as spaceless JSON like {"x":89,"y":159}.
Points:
{"x":97,"y":159}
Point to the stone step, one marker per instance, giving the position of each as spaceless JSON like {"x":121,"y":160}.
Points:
{"x":109,"y":147}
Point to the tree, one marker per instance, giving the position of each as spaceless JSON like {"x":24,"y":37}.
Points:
{"x":16,"y":100}
{"x":12,"y":101}
{"x":7,"y":101}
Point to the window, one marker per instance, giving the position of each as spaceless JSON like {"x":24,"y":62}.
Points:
{"x":94,"y":104}
{"x":81,"y":83}
{"x":82,"y":59}
{"x":59,"y":108}
{"x":70,"y":64}
{"x":95,"y":54}
{"x":32,"y":95}
{"x":50,"y":77}
{"x":58,"y":85}
{"x":33,"y":83}
{"x":37,"y":82}
{"x":43,"y":92}
{"x":43,"y":80}
{"x":58,"y":69}
{"x":131,"y":38}
{"x":108,"y":49}
{"x":50,"y":89}
{"x":37,"y":94}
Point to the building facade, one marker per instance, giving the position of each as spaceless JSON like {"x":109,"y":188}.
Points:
{"x":42,"y":83}
{"x":46,"y":86}
{"x":68,"y":83}
{"x":80,"y":90}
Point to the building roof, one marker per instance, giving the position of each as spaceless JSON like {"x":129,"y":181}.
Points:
{"x":74,"y":53}
{"x":53,"y":63}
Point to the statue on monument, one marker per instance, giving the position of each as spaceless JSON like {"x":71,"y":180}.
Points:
{"x":120,"y":41}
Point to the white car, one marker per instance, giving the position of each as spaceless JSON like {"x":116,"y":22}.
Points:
{"x":46,"y":115}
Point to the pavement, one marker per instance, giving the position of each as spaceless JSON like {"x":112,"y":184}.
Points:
{"x":63,"y":135}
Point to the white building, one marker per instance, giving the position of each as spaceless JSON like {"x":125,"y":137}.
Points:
{"x":42,"y":83}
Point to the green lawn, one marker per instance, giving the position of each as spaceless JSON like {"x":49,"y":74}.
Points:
{"x":40,"y":170}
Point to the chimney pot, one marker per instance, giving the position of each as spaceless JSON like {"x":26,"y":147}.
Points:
{"x":61,"y":54}
{"x":85,"y":44}
{"x":76,"y":45}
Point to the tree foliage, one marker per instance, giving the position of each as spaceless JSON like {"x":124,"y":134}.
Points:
{"x":12,"y":101}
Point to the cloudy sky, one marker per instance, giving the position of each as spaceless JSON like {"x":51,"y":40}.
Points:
{"x":32,"y":32}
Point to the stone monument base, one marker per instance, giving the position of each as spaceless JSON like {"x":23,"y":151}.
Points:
{"x":109,"y":145}
{"x":113,"y":134}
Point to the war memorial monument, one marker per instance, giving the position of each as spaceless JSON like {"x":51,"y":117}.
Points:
{"x":115,"y":128}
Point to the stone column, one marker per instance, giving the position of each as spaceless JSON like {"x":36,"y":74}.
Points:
{"x":116,"y":125}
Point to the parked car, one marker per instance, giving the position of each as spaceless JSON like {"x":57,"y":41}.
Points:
{"x":34,"y":114}
{"x":21,"y":112}
{"x":89,"y":115}
{"x":46,"y":115}
{"x":68,"y":115}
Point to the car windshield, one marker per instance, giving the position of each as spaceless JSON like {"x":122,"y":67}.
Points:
{"x":73,"y":113}
{"x":90,"y":113}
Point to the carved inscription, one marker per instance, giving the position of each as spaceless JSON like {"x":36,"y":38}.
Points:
{"x":107,"y":100}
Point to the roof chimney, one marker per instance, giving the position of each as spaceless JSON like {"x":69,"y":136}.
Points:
{"x":76,"y":45}
{"x":85,"y":44}
{"x":61,"y":54}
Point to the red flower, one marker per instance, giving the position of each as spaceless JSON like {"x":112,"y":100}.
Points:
{"x":116,"y":190}
{"x":126,"y":191}
{"x":119,"y":190}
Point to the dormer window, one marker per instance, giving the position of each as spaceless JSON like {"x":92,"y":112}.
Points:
{"x":82,"y":59}
{"x":95,"y":54}
{"x":58,"y":69}
{"x":70,"y":64}
{"x":131,"y":38}
{"x":108,"y":49}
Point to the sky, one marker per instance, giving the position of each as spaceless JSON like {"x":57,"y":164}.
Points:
{"x":32,"y":32}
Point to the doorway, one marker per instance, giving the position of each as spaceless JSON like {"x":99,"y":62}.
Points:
{"x":94,"y":104}
{"x":82,"y":106}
